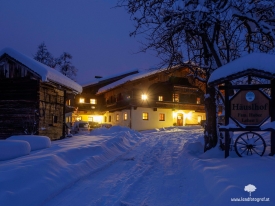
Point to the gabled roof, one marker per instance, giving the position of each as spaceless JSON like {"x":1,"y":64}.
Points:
{"x":133,"y":77}
{"x":46,"y":73}
{"x":257,"y":64}
{"x":102,"y":80}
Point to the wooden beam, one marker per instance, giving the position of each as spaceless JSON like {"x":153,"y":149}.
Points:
{"x":226,"y":120}
{"x":253,"y":86}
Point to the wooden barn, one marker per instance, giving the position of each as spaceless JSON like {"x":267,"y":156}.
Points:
{"x":32,"y":96}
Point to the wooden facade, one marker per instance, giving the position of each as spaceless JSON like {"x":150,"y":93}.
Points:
{"x":169,"y":93}
{"x":164,"y":89}
{"x":29,"y":105}
{"x":19,"y":103}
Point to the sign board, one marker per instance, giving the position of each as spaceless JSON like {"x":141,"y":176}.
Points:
{"x":249,"y":107}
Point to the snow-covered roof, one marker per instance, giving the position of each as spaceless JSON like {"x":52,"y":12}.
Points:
{"x":97,"y":80}
{"x":258,"y":61}
{"x":46,"y":73}
{"x":139,"y":75}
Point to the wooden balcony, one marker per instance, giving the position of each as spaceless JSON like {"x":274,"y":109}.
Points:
{"x":181,"y":106}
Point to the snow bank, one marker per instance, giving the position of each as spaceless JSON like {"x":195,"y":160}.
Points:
{"x":10,"y":149}
{"x":36,"y":142}
{"x":194,"y":148}
{"x":116,"y":129}
{"x":268,"y":125}
{"x":61,"y":165}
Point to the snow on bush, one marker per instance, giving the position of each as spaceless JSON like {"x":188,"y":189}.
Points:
{"x":36,"y":142}
{"x":10,"y":149}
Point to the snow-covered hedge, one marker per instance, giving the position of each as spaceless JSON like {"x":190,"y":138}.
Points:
{"x":10,"y":149}
{"x":36,"y":142}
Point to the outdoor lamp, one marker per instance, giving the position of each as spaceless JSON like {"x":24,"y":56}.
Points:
{"x":144,"y":97}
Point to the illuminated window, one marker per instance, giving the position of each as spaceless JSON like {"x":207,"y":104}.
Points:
{"x":68,"y":102}
{"x":198,"y":100}
{"x":81,"y":100}
{"x":199,"y":119}
{"x":160,"y":98}
{"x":125,"y":116}
{"x":93,"y":101}
{"x":175,"y":97}
{"x":144,"y":97}
{"x":117,"y":117}
{"x":145,"y":116}
{"x":161,"y":117}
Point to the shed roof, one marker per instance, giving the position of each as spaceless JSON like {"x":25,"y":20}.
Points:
{"x":46,"y":73}
{"x":257,"y":64}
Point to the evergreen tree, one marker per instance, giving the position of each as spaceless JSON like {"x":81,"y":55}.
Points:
{"x":63,"y":63}
{"x":44,"y":56}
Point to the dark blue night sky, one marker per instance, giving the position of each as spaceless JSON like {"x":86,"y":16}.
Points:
{"x":96,"y":34}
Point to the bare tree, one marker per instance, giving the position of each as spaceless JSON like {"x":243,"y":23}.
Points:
{"x":65,"y":65}
{"x":203,"y":35}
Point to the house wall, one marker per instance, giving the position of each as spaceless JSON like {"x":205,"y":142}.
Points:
{"x":19,"y":103}
{"x":51,"y":103}
{"x":153,"y":121}
{"x":121,"y":121}
{"x":136,"y":122}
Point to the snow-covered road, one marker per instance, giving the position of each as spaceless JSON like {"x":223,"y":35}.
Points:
{"x":154,"y":172}
{"x":120,"y":166}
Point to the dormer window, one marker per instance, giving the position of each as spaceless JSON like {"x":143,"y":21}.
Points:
{"x":175,"y":97}
{"x":198,"y":100}
{"x":93,"y":101}
{"x":68,"y":102}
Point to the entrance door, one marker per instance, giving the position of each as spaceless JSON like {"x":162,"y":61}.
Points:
{"x":179,"y":119}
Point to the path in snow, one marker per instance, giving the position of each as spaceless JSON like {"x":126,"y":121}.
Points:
{"x":155,"y":172}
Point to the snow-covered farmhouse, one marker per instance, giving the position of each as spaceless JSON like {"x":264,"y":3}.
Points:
{"x":88,"y":100}
{"x":32,"y":96}
{"x":146,"y":100}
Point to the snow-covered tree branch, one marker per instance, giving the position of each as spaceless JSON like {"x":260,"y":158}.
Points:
{"x":207,"y":33}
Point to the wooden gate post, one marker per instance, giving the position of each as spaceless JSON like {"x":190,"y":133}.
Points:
{"x":226,"y":119}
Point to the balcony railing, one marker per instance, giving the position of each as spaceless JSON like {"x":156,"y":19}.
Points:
{"x":181,"y":106}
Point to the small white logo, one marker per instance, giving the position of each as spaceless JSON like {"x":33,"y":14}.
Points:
{"x":250,"y":96}
{"x":250,"y":188}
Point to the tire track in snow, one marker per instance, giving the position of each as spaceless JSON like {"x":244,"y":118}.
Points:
{"x":153,"y":173}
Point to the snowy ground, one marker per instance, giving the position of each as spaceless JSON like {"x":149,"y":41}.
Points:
{"x":123,"y":167}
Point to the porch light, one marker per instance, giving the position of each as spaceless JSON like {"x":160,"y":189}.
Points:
{"x":144,"y":97}
{"x":98,"y":118}
{"x":188,"y":115}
